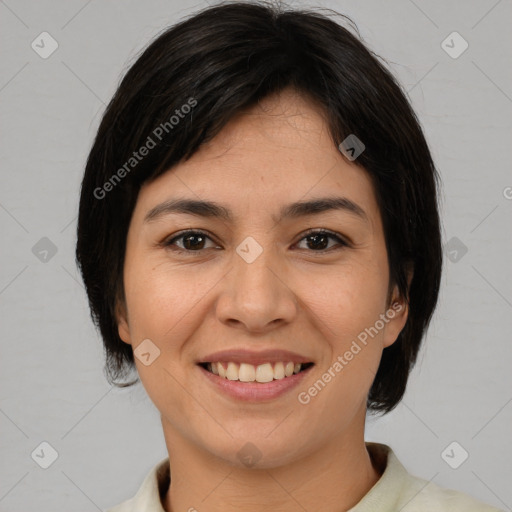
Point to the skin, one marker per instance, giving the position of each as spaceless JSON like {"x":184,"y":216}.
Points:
{"x":294,"y":296}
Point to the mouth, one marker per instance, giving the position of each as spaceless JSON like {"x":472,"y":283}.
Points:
{"x":254,"y":383}
{"x":261,"y":373}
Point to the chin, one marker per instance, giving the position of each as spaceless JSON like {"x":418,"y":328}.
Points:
{"x":254,"y":449}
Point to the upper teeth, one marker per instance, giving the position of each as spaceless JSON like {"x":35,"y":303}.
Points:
{"x":249,"y":373}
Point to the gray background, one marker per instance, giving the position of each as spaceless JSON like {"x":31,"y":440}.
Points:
{"x":52,"y":383}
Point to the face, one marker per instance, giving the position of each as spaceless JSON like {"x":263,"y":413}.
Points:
{"x":258,"y":276}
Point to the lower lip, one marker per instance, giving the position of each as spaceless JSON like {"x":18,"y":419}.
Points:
{"x":255,"y":391}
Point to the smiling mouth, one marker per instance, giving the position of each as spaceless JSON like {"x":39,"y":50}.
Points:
{"x":245,"y":372}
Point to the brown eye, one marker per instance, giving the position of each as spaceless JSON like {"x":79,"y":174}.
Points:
{"x":318,"y":240}
{"x":192,"y":241}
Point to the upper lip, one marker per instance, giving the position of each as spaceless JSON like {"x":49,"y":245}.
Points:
{"x":255,"y":358}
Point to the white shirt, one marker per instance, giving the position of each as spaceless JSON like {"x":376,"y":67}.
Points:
{"x":396,"y":490}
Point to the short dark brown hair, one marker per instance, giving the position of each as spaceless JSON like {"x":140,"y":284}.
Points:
{"x":219,"y":61}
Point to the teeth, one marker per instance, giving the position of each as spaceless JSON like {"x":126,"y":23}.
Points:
{"x":264,"y":373}
{"x":232,"y":371}
{"x":279,"y":371}
{"x":249,"y":373}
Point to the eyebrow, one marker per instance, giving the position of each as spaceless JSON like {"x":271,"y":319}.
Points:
{"x":210,"y":209}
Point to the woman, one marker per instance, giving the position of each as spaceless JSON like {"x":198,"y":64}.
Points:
{"x":259,"y":237}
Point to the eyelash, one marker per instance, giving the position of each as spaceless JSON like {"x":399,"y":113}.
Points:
{"x":170,"y":242}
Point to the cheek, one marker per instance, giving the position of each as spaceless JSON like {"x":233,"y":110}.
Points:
{"x":346,"y":304}
{"x":161,"y":299}
{"x":346,"y":299}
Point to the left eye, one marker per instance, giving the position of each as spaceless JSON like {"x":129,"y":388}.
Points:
{"x":193,"y":241}
{"x":320,"y":238}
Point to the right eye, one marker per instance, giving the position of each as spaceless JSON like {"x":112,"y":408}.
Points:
{"x":193,"y":241}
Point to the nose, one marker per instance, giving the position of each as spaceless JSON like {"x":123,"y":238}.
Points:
{"x":256,"y":296}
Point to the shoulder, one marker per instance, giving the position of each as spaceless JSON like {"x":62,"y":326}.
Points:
{"x":125,"y":506}
{"x":149,"y":496}
{"x":397,"y":489}
{"x":419,"y":495}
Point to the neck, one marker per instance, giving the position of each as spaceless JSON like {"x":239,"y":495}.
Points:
{"x":337,"y":475}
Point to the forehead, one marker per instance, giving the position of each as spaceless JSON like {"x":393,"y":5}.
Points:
{"x":285,"y":126}
{"x":275,"y":153}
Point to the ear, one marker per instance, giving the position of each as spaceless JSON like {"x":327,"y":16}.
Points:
{"x":397,"y":314}
{"x":122,"y":322}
